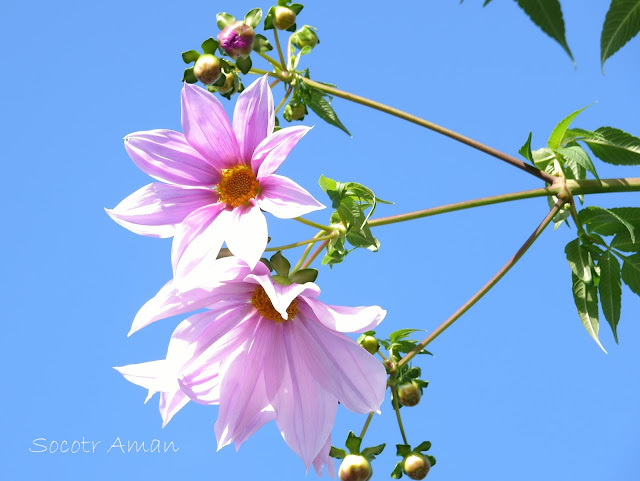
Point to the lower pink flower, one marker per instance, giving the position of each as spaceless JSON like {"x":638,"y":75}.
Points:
{"x":262,"y":351}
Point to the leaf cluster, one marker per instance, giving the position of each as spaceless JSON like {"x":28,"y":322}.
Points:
{"x":353,"y":444}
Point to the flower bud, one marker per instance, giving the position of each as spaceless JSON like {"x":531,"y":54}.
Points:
{"x":304,"y":37}
{"x":207,"y":69}
{"x":370,"y":343}
{"x":237,"y":39}
{"x":229,"y":83}
{"x":409,"y":394}
{"x":416,"y":466}
{"x":283,"y":18}
{"x":294,"y":111}
{"x":355,"y":468}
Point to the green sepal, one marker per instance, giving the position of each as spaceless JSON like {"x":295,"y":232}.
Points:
{"x":373,"y":451}
{"x":293,"y":28}
{"x":423,"y":446}
{"x":421,"y":383}
{"x":261,"y":44}
{"x":282,"y":280}
{"x":432,"y":460}
{"x":525,"y":150}
{"x":353,"y":443}
{"x":397,"y":471}
{"x":189,"y":76}
{"x":280,"y":264}
{"x":210,"y":46}
{"x":244,"y":64}
{"x":337,"y":453}
{"x":296,"y":7}
{"x":223,"y":19}
{"x":304,"y":275}
{"x":253,"y":17}
{"x":190,"y":56}
{"x":268,"y":19}
{"x":266,"y":262}
{"x":403,"y":450}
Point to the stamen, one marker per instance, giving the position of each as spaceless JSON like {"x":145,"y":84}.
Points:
{"x":238,"y":186}
{"x":262,"y":303}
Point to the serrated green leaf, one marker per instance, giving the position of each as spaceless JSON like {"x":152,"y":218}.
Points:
{"x":190,"y":56}
{"x":280,"y":264}
{"x":547,"y":14}
{"x":403,"y":450}
{"x":586,"y":301}
{"x":607,"y":221}
{"x":423,"y":446}
{"x":621,"y":24}
{"x":373,"y":451}
{"x":244,"y":64}
{"x":210,"y":46}
{"x":543,"y":157}
{"x":305,"y":275}
{"x":631,"y":273}
{"x":614,"y":146}
{"x":525,"y":150}
{"x":401,"y":334}
{"x":223,"y":19}
{"x":610,"y":290}
{"x":580,"y":157}
{"x":353,"y":443}
{"x":558,"y":134}
{"x":397,"y":471}
{"x":623,"y":242}
{"x":337,"y":453}
{"x":253,"y":17}
{"x":189,"y":76}
{"x":322,"y":108}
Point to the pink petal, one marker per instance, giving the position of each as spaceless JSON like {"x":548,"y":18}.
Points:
{"x":282,"y":296}
{"x":246,"y":234}
{"x":272,"y":151}
{"x":284,"y":198}
{"x":165,"y":155}
{"x":156,"y":376}
{"x":257,"y":421}
{"x":200,"y":235}
{"x":156,"y":209}
{"x":340,"y":366}
{"x":253,"y":117}
{"x":323,"y":459}
{"x":343,"y":319}
{"x":171,"y":403}
{"x":206,"y":126}
{"x":304,"y":411}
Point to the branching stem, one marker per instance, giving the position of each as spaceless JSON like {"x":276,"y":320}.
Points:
{"x":394,"y":391}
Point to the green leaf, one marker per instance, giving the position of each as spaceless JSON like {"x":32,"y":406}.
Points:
{"x":623,"y":242}
{"x":558,"y":134}
{"x":253,"y":17}
{"x":373,"y":451}
{"x":337,"y":453}
{"x":631,"y":273}
{"x":210,"y":46}
{"x":353,"y":443}
{"x":610,"y":290}
{"x":397,"y":471}
{"x":223,"y":19}
{"x":621,"y":24}
{"x":614,"y":146}
{"x":268,"y":19}
{"x":322,"y":108}
{"x":190,"y":56}
{"x":305,"y":275}
{"x":424,"y":446}
{"x":586,"y":300}
{"x":547,"y":14}
{"x":432,"y":460}
{"x":261,"y":44}
{"x":543,"y":158}
{"x":578,"y":155}
{"x":403,"y":450}
{"x":486,"y":2}
{"x":607,"y":221}
{"x":244,"y":64}
{"x":189,"y":76}
{"x":525,"y":150}
{"x":296,"y":7}
{"x":401,"y":334}
{"x":280,"y":264}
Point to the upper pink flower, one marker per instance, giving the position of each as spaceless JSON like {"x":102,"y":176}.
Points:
{"x":217,"y":178}
{"x":262,"y":351}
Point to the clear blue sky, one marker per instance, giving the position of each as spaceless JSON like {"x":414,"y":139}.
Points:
{"x":518,"y":389}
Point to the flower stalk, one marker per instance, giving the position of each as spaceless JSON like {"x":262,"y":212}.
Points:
{"x":394,"y":391}
{"x":366,"y":425}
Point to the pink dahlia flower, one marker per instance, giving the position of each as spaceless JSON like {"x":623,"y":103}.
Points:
{"x":218,"y":179}
{"x":262,"y":351}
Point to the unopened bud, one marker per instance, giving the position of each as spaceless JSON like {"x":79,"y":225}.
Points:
{"x":237,"y":39}
{"x":355,"y":468}
{"x":294,"y":111}
{"x":370,"y":343}
{"x":283,"y":18}
{"x":409,"y":394}
{"x":416,"y":466}
{"x":207,"y":69}
{"x":304,"y":37}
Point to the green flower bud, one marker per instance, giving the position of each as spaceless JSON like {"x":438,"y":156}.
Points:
{"x":409,"y":394}
{"x":305,"y":37}
{"x":294,"y":111}
{"x":355,"y":468}
{"x":207,"y":69}
{"x":283,"y":18}
{"x":370,"y":343}
{"x":414,"y":372}
{"x":416,"y":466}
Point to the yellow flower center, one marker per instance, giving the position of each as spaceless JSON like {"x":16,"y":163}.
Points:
{"x":262,"y":303}
{"x":238,"y":186}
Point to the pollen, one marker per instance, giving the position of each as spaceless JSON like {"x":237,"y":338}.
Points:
{"x":238,"y":186}
{"x":262,"y":303}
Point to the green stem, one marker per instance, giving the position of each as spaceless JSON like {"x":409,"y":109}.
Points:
{"x":432,"y":126}
{"x":275,"y":36}
{"x":315,"y":254}
{"x":486,"y":288}
{"x":302,"y":243}
{"x":302,"y":220}
{"x":284,"y":99}
{"x":366,"y":425}
{"x":394,"y":390}
{"x":272,"y":61}
{"x":304,"y":255}
{"x":575,"y":187}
